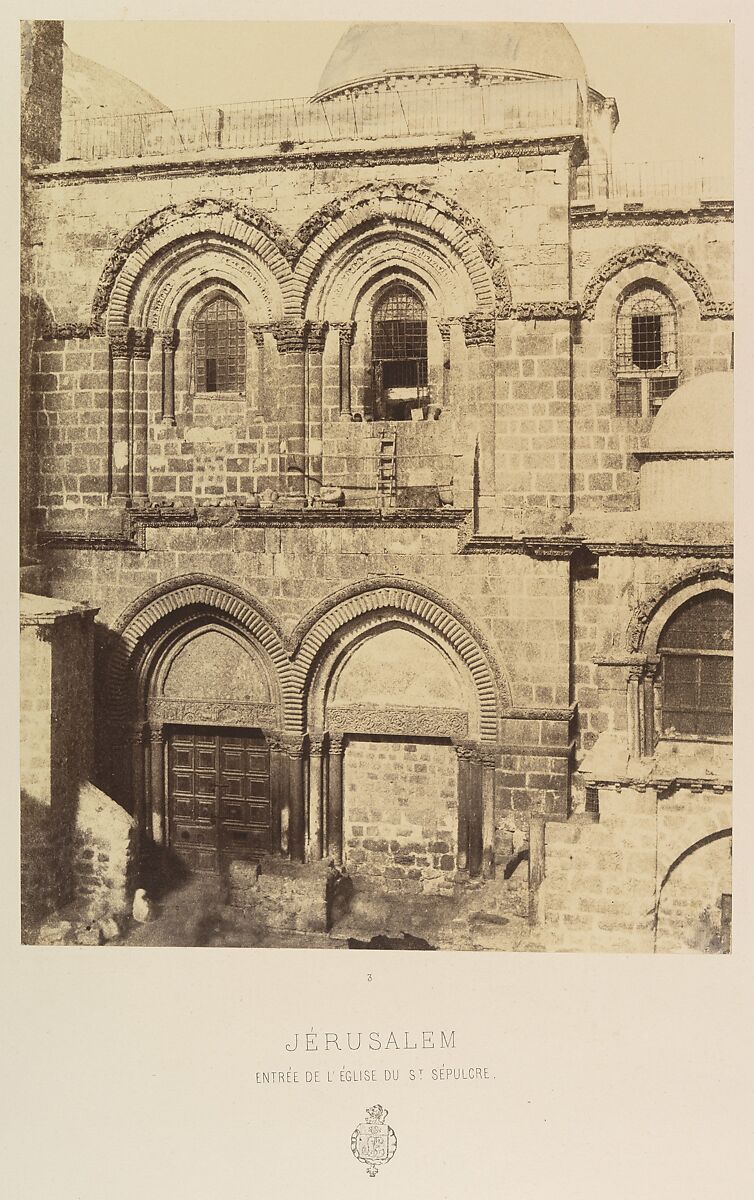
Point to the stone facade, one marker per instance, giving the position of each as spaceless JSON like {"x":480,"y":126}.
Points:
{"x":512,"y":537}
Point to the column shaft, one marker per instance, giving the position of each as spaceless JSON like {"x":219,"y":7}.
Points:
{"x":277,"y":790}
{"x":315,"y":840}
{"x":335,"y":800}
{"x":157,"y":795}
{"x":488,"y":815}
{"x":120,"y":483}
{"x":296,"y":834}
{"x":140,"y":410}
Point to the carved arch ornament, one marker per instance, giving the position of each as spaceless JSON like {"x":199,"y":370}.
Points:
{"x":667,"y":596}
{"x":709,"y":308}
{"x":294,"y":260}
{"x":169,"y":606}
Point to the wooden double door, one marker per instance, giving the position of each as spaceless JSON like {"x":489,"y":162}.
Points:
{"x":218,"y":796}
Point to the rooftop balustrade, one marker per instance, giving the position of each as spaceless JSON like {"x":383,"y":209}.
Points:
{"x":463,"y":111}
{"x":658,"y":183}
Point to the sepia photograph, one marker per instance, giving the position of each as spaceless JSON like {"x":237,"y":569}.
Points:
{"x":376,"y":488}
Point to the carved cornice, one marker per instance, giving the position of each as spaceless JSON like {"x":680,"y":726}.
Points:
{"x":212,"y":712}
{"x":255,"y":161}
{"x":709,"y":213}
{"x":478,"y":330}
{"x":52,"y":332}
{"x":290,"y":336}
{"x":649,"y":253}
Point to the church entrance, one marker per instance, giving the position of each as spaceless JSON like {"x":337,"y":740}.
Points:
{"x":218,"y":797}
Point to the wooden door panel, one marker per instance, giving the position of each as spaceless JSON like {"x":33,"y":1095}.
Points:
{"x":219,"y":797}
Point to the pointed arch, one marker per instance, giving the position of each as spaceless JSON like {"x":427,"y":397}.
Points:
{"x":634,"y":256}
{"x":399,"y":208}
{"x":397,"y":598}
{"x":234,"y":224}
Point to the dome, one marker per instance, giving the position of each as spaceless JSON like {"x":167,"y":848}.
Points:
{"x":698,"y":417}
{"x":370,"y":49}
{"x":91,"y":90}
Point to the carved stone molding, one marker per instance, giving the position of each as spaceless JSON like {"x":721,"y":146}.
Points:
{"x":215,"y":208}
{"x":444,"y":328}
{"x":645,"y":609}
{"x":661,"y":255}
{"x":142,"y":343}
{"x":398,"y":720}
{"x":336,"y":743}
{"x":316,"y":745}
{"x":478,"y":330}
{"x":547,"y":310}
{"x":212,"y":712}
{"x":708,"y":214}
{"x":290,"y":336}
{"x":418,"y":204}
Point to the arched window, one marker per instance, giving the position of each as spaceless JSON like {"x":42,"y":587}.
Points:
{"x":220,"y":348}
{"x":399,"y":350}
{"x":646,"y":352}
{"x":696,"y":656}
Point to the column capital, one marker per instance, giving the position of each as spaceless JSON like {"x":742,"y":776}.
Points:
{"x":346,"y":331}
{"x":257,"y":329}
{"x":636,"y":674}
{"x":142,"y":343}
{"x":316,"y":336}
{"x":156,"y":733}
{"x":336,"y":743}
{"x":168,"y":338}
{"x":292,"y":746}
{"x":290,"y":336}
{"x":466,"y":751}
{"x":488,"y":756}
{"x":444,"y":328}
{"x":478,"y":330}
{"x":316,"y":744}
{"x":121,"y":340}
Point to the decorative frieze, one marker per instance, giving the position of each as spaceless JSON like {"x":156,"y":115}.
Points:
{"x":398,"y":721}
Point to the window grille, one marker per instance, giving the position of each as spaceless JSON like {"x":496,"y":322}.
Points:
{"x":220,"y":348}
{"x":399,"y":340}
{"x":646,"y":352}
{"x":696,"y":655}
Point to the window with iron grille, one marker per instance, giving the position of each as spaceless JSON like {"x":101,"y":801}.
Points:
{"x":220,"y":348}
{"x":696,"y":656}
{"x":646,"y":352}
{"x":399,"y":340}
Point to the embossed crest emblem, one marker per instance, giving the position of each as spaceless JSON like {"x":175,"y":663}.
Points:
{"x":373,"y":1142}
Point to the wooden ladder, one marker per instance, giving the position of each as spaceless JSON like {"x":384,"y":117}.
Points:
{"x":386,"y":467}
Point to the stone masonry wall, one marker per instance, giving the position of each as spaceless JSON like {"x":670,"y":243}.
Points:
{"x":648,"y":876}
{"x":401,"y":813}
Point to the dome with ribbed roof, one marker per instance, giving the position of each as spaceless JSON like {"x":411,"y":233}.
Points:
{"x":698,"y":417}
{"x":374,"y":49}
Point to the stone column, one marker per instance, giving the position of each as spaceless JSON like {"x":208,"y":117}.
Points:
{"x":290,"y":338}
{"x":157,"y":790}
{"x":138,"y":781}
{"x":444,"y":327}
{"x":464,"y":754}
{"x":489,"y":763}
{"x":315,"y":840}
{"x":315,"y":344}
{"x":632,"y":712}
{"x":120,"y":403}
{"x":479,"y":335}
{"x":296,"y":828}
{"x":650,"y":672}
{"x":278,"y":794}
{"x":536,"y":862}
{"x":476,"y":816}
{"x":346,"y":330}
{"x":335,"y":798}
{"x":169,"y":340}
{"x":257,"y":333}
{"x":142,"y":346}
